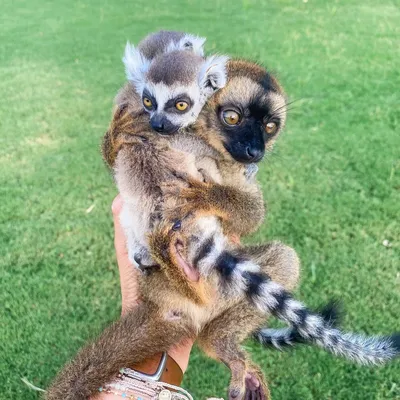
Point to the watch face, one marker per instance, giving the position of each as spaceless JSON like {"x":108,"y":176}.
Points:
{"x":164,"y":395}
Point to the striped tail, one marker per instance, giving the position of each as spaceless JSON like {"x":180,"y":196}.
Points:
{"x":240,"y":275}
{"x":281,"y":338}
{"x":270,"y":297}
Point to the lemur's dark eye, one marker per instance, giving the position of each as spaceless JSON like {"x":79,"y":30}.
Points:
{"x":181,"y":105}
{"x":177,"y":225}
{"x":231,"y":117}
{"x":271,"y":128}
{"x":147,"y":102}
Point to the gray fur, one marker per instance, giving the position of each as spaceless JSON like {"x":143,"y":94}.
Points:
{"x":181,"y":73}
{"x":136,"y":66}
{"x":137,"y":60}
{"x":355,"y":347}
{"x":175,"y":67}
{"x":162,"y":41}
{"x":212,"y":75}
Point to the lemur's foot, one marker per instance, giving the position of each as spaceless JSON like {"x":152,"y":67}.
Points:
{"x":252,"y":387}
{"x":256,"y":388}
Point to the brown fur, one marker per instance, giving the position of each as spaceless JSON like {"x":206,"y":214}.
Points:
{"x":243,"y":68}
{"x":142,"y":160}
{"x":161,"y":171}
{"x":129,"y":340}
{"x":221,"y":335}
{"x":220,"y":323}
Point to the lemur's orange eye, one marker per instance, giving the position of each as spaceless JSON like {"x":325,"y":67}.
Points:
{"x":271,"y":128}
{"x":181,"y":105}
{"x":231,"y":117}
{"x":147,"y":102}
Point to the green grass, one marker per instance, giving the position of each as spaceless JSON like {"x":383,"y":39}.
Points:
{"x":332,"y":184}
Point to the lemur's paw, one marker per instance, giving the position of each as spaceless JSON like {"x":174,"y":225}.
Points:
{"x":256,"y":388}
{"x":177,"y":213}
{"x":196,"y":196}
{"x":170,"y":189}
{"x":191,"y":188}
{"x":180,"y":201}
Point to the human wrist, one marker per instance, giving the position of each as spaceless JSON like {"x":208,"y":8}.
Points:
{"x":181,"y":353}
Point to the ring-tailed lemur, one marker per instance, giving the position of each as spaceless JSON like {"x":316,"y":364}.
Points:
{"x":229,"y":302}
{"x":173,"y":78}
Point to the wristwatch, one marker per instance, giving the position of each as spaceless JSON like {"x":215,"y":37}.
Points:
{"x":161,"y":367}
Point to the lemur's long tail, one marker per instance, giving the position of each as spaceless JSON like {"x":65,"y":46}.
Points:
{"x":282,"y":338}
{"x":270,"y":297}
{"x":355,"y":347}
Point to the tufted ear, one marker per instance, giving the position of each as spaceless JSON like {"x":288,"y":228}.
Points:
{"x":136,"y":66}
{"x":188,"y":42}
{"x":212,"y":75}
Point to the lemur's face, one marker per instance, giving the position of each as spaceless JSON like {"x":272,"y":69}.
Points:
{"x":249,"y":113}
{"x":172,"y":107}
{"x":174,"y":86}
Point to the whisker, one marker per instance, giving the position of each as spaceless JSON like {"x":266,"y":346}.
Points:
{"x":273,"y":155}
{"x":287,"y":104}
{"x":281,"y":112}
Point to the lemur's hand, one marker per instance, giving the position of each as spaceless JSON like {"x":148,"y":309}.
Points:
{"x":180,"y":200}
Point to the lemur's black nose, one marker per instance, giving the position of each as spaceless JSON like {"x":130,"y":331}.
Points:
{"x":157,"y":125}
{"x":254,"y":154}
{"x":161,"y":124}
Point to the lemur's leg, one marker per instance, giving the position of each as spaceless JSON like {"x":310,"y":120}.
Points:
{"x":221,"y":338}
{"x":277,"y":260}
{"x":135,"y":337}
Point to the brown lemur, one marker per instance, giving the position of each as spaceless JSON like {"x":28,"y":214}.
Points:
{"x":145,"y":161}
{"x":171,"y":83}
{"x":206,"y":285}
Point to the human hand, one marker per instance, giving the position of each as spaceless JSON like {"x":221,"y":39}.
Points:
{"x":128,"y":274}
{"x":129,"y":284}
{"x":130,"y":298}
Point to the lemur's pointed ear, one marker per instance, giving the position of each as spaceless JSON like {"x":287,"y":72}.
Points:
{"x":136,"y":66}
{"x":189,"y":42}
{"x":212,"y":75}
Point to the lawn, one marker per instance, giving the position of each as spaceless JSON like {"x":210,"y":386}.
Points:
{"x":332,"y":184}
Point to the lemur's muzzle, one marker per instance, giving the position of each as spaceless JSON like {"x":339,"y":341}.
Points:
{"x":163,"y":125}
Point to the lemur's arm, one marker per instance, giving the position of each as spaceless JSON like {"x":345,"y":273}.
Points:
{"x":241,"y":208}
{"x":134,"y":338}
{"x":126,"y":127}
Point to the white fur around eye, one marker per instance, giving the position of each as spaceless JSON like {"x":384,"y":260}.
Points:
{"x":163,"y":93}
